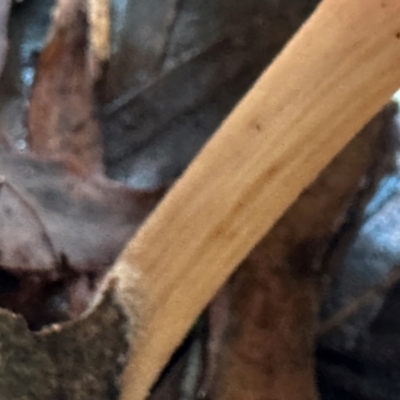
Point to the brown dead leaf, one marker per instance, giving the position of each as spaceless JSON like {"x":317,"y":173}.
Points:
{"x":63,"y":222}
{"x":24,"y":242}
{"x":178,"y":69}
{"x":62,"y":113}
{"x":87,"y":220}
{"x":73,"y":226}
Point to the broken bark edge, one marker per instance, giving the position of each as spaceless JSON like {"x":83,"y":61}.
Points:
{"x":79,"y":359}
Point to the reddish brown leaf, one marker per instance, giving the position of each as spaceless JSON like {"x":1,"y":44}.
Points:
{"x":61,"y":114}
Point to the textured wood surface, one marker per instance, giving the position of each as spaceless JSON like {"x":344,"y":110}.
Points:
{"x":298,"y":116}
